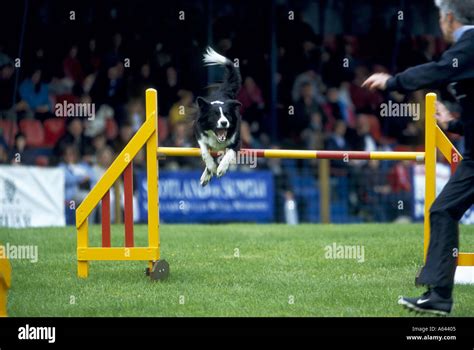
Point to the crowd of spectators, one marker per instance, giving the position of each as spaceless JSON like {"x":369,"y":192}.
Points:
{"x":320,"y":103}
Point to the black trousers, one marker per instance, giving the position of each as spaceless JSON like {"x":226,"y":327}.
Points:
{"x":448,"y":208}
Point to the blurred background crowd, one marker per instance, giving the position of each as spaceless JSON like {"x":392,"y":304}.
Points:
{"x":302,"y":64}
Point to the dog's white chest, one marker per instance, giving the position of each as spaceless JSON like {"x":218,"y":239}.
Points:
{"x":210,"y":140}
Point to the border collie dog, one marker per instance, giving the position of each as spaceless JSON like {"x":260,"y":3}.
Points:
{"x":217,"y":128}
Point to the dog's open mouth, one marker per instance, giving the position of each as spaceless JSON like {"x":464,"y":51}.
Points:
{"x":221,"y":134}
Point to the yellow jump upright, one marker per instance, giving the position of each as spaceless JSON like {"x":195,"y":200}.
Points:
{"x":5,"y":283}
{"x":430,"y":164}
{"x":435,"y":140}
{"x":146,"y":135}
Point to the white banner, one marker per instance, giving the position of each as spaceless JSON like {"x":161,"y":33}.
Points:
{"x":443,"y":172}
{"x":31,"y":196}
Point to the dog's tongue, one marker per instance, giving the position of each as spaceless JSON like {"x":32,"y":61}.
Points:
{"x":221,"y":134}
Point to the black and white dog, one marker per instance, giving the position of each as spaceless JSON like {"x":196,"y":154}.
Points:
{"x":217,"y":128}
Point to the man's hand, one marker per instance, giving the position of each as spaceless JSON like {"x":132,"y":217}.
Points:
{"x":377,"y":81}
{"x":443,"y":115}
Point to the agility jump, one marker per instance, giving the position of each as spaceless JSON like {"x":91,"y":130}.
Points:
{"x":147,"y":135}
{"x":5,"y":284}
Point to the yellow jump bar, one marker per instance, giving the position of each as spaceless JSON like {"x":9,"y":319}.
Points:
{"x":299,"y":154}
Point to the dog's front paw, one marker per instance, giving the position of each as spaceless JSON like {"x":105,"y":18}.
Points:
{"x":211,"y":165}
{"x":227,"y":160}
{"x":205,"y":177}
{"x":222,"y":169}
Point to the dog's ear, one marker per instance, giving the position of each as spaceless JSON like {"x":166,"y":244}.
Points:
{"x":203,"y":103}
{"x":233,"y":103}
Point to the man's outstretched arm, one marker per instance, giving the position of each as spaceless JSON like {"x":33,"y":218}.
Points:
{"x":451,"y":67}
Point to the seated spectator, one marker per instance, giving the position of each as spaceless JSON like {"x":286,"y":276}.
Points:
{"x":3,"y":154}
{"x":109,"y":88}
{"x":62,"y":88}
{"x":308,"y":78}
{"x":182,"y":110}
{"x":181,"y":136}
{"x":104,"y":158}
{"x":168,"y":90}
{"x":4,"y":58}
{"x":304,"y":108}
{"x":7,"y":83}
{"x":79,"y":176}
{"x":75,"y":136}
{"x":99,"y":143}
{"x":247,"y":139}
{"x":42,"y":61}
{"x":139,"y":162}
{"x":337,"y":142}
{"x":98,"y":124}
{"x":142,"y":81}
{"x":313,"y":135}
{"x":115,"y":52}
{"x":361,"y":139}
{"x":364,"y":100}
{"x":252,"y":101}
{"x":336,"y":109}
{"x":136,"y":113}
{"x":91,"y":58}
{"x":20,"y":154}
{"x":2,"y":140}
{"x":72,"y":66}
{"x":35,"y":96}
{"x":125,"y":135}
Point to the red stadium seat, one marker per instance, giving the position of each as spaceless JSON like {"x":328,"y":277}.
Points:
{"x":9,"y":130}
{"x":54,"y":129}
{"x":34,"y":132}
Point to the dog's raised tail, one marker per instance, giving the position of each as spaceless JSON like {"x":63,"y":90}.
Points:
{"x":232,"y":79}
{"x":212,"y":58}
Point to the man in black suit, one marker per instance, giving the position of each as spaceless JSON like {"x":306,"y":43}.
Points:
{"x":456,"y":67}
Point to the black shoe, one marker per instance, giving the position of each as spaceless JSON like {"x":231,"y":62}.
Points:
{"x":429,"y":302}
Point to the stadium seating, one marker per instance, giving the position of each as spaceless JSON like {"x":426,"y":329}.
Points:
{"x":54,"y":129}
{"x":34,"y":132}
{"x":9,"y":129}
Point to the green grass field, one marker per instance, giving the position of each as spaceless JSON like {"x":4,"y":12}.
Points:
{"x":281,"y":271}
